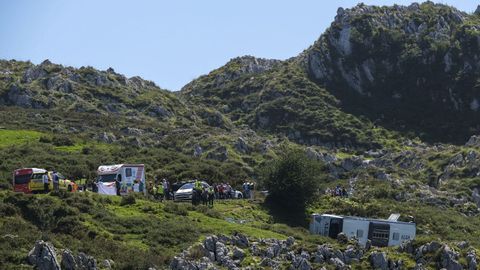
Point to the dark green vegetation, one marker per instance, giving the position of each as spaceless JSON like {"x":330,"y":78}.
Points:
{"x":107,"y":227}
{"x":384,"y":102}
{"x":292,"y":182}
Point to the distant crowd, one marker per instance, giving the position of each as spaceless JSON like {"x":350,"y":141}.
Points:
{"x":163,"y":190}
{"x":338,"y":191}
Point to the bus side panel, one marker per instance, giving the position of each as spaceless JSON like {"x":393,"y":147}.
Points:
{"x":356,"y":228}
{"x":404,"y":233}
{"x":22,"y":188}
{"x":36,"y":183}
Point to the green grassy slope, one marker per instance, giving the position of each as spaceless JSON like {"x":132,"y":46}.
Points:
{"x":152,"y":232}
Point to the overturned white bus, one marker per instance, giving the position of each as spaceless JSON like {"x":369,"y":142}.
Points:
{"x":380,"y":232}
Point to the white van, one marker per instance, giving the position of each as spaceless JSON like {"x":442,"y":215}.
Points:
{"x":380,"y":232}
{"x":130,"y":177}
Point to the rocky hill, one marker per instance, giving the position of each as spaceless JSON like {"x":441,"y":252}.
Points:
{"x":413,"y":69}
{"x":408,"y":68}
{"x":386,"y":99}
{"x":52,"y":86}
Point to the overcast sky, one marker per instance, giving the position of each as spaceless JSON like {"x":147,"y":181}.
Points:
{"x":168,"y":42}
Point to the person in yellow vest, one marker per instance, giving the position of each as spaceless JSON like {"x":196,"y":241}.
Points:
{"x":154,"y":191}
{"x":197,"y":192}
{"x":211,"y":196}
{"x":198,"y":185}
{"x":161,"y":193}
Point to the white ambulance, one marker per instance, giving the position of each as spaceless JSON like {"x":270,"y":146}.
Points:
{"x":121,"y":179}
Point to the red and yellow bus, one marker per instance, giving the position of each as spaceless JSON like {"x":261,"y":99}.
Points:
{"x":30,"y":180}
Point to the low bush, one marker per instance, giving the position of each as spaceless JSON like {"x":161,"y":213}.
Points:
{"x":60,"y":140}
{"x":8,"y":210}
{"x":211,"y":212}
{"x":175,"y":208}
{"x":128,"y":200}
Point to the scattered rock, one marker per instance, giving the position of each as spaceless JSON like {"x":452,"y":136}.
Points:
{"x":132,"y":131}
{"x":342,"y":238}
{"x":242,"y":146}
{"x":20,"y":97}
{"x":379,"y":260}
{"x":43,"y":256}
{"x":68,"y":260}
{"x":33,"y":73}
{"x":462,"y":245}
{"x":86,"y":262}
{"x":339,"y":264}
{"x":472,"y":260}
{"x":107,"y":264}
{"x":220,"y":153}
{"x":406,"y":246}
{"x":290,"y":241}
{"x":427,"y":248}
{"x":106,"y":137}
{"x":238,"y":253}
{"x":449,"y":259}
{"x":159,"y":111}
{"x":476,"y":196}
{"x":300,"y":263}
{"x":197,"y":151}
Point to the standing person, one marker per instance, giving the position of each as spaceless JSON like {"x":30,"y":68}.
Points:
{"x":46,"y":188}
{"x":217,"y":192}
{"x":251,"y":189}
{"x":161,"y":194}
{"x":229,"y":191}
{"x":118,"y":182}
{"x":245,"y":190}
{"x":197,"y":192}
{"x":211,"y":196}
{"x":154,"y":191}
{"x":166,"y":189}
{"x":205,"y":196}
{"x":220,"y":191}
{"x":55,"y":181}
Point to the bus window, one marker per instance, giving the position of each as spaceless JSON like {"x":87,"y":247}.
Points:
{"x":22,"y":179}
{"x":37,"y":177}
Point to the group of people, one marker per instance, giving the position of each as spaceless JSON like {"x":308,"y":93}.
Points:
{"x":203,"y":194}
{"x":46,"y":182}
{"x":338,"y":191}
{"x":223,"y":191}
{"x":162,"y":190}
{"x":248,"y":188}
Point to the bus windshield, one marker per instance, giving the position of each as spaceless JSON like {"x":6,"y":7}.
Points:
{"x":106,"y":178}
{"x":22,"y":179}
{"x":37,"y":176}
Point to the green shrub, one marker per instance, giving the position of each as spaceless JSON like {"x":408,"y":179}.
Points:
{"x":292,"y":181}
{"x":128,"y":200}
{"x":60,"y":140}
{"x":68,"y":225}
{"x":173,"y":232}
{"x":208,"y":211}
{"x":7,"y":210}
{"x":45,"y":139}
{"x":180,"y":209}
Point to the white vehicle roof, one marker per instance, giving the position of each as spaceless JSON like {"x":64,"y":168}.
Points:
{"x":37,"y":170}
{"x":113,"y":169}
